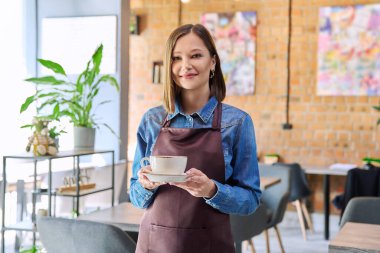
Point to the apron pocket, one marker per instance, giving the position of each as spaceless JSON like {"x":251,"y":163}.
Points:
{"x":170,"y":240}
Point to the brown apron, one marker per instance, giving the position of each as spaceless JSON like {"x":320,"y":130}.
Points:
{"x":177,"y":222}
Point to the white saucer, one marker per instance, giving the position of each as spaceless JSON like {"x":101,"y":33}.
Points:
{"x":166,"y":178}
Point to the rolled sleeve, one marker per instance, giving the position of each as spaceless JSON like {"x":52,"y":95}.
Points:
{"x":140,"y":197}
{"x":241,"y":194}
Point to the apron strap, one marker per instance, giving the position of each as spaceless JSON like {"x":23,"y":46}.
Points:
{"x":217,"y":119}
{"x":166,"y":122}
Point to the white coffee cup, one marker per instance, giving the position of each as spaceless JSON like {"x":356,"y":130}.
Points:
{"x":165,"y":164}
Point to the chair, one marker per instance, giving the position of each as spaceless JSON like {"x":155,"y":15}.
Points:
{"x":360,"y":183}
{"x":245,"y":227}
{"x":363,"y":210}
{"x":276,"y":197}
{"x":299,"y":189}
{"x":79,"y":236}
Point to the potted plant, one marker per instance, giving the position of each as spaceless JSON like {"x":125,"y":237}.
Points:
{"x":73,"y":99}
{"x":271,"y":158}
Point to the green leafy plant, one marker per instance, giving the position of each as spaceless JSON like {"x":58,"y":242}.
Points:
{"x":40,"y":122}
{"x":33,"y":249}
{"x":70,"y":99}
{"x":371,"y":159}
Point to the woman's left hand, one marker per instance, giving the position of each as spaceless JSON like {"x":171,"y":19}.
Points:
{"x":198,"y":184}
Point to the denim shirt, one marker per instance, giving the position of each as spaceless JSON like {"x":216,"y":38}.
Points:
{"x":241,"y":192}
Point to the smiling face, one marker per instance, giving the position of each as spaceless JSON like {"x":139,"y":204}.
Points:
{"x":191,"y":64}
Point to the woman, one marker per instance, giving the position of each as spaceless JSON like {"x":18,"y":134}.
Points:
{"x":219,"y":141}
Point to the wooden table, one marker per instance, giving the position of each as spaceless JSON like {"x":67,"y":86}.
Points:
{"x":127,"y":217}
{"x":357,"y":237}
{"x":326,"y":173}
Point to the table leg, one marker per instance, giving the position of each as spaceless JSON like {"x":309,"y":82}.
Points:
{"x":50,"y":182}
{"x":326,"y":191}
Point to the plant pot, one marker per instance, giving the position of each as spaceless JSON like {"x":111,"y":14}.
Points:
{"x":84,"y":138}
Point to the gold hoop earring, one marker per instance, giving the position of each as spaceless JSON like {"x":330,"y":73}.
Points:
{"x":212,"y":73}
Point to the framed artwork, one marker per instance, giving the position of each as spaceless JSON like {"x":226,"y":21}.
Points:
{"x":235,"y":38}
{"x":348,"y":51}
{"x":71,"y":41}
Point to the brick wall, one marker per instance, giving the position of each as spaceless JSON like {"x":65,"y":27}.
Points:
{"x":325,"y":130}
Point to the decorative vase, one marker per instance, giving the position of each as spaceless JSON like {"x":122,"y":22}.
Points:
{"x":84,"y":138}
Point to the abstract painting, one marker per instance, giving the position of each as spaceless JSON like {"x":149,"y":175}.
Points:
{"x":349,"y":51}
{"x":235,"y":38}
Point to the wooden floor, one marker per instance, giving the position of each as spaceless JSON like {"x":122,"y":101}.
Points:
{"x":292,"y":237}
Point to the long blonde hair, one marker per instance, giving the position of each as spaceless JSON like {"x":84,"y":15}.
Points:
{"x":171,"y":90}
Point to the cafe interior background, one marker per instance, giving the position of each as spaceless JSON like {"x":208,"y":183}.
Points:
{"x":285,"y":90}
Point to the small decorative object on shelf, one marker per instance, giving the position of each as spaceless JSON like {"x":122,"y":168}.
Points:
{"x":157,"y":75}
{"x":134,"y":21}
{"x":43,"y":140}
{"x":271,"y":158}
{"x":69,"y":184}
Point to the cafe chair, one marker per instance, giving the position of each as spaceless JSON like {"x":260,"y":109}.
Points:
{"x":59,"y":235}
{"x":276,"y":198}
{"x":362,"y":210}
{"x":245,"y":227}
{"x":299,"y":190}
{"x":360,"y":183}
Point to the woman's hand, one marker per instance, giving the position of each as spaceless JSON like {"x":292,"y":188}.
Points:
{"x":198,"y":184}
{"x":144,"y":181}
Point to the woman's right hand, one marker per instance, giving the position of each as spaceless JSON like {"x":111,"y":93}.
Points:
{"x":144,"y":181}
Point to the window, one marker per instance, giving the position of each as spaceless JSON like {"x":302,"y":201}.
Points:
{"x":13,"y":70}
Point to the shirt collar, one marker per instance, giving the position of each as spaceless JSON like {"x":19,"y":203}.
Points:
{"x":205,"y":113}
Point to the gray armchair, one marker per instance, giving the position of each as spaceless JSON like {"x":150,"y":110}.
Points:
{"x":276,"y":197}
{"x":246,"y":227}
{"x":78,"y":236}
{"x":299,"y":189}
{"x":363,"y":210}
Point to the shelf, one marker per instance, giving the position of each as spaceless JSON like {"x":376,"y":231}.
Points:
{"x":74,"y":194}
{"x":50,"y":169}
{"x":22,"y":226}
{"x":61,"y":154}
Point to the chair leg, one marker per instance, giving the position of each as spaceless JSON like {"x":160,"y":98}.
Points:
{"x":307,"y":216}
{"x":300,"y":217}
{"x":252,"y":245}
{"x":279,"y":239}
{"x":267,"y":240}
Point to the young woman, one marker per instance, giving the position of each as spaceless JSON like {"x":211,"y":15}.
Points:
{"x":219,"y":141}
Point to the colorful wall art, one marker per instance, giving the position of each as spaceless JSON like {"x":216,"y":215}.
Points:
{"x":235,"y":38}
{"x":349,"y":51}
